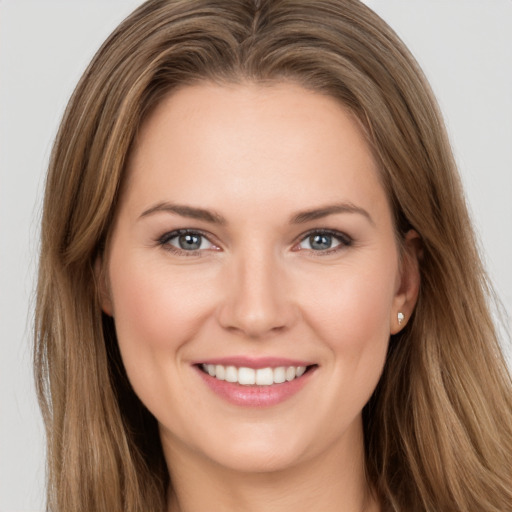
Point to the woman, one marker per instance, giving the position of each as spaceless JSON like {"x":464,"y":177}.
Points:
{"x":259,"y":287}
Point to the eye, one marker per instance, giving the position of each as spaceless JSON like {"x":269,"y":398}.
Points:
{"x":184,"y":240}
{"x":324,"y":241}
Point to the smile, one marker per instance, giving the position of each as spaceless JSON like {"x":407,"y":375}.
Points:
{"x":256,"y":383}
{"x":250,"y":376}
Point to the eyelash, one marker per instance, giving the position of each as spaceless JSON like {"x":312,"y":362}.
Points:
{"x":343,"y":239}
{"x":164,"y":240}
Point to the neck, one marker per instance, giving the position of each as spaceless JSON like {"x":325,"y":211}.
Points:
{"x":330,"y":482}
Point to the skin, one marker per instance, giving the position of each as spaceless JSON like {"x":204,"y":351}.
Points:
{"x":257,"y":156}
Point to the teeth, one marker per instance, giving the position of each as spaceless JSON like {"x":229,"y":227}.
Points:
{"x":300,"y":371}
{"x":250,"y":377}
{"x":220,"y":372}
{"x":279,"y":375}
{"x":231,"y":374}
{"x":264,"y":377}
{"x":246,"y":376}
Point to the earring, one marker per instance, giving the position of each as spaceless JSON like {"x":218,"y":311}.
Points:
{"x":400,"y":317}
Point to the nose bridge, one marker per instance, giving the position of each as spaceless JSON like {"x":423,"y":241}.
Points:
{"x":257,"y":301}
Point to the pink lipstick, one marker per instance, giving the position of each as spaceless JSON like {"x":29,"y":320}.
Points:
{"x":251,"y":382}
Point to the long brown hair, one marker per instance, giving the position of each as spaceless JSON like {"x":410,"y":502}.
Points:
{"x":438,"y":429}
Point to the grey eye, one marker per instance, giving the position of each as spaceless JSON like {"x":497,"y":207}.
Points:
{"x":320,"y":242}
{"x":189,"y":242}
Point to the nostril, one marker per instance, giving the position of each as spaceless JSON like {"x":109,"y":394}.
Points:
{"x":256,"y":303}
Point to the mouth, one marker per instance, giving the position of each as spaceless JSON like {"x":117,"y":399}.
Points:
{"x":256,"y":382}
{"x":245,"y":376}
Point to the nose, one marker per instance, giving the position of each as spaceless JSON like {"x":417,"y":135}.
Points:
{"x":258,"y":299}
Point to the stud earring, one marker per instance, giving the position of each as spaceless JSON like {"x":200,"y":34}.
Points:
{"x":400,"y":317}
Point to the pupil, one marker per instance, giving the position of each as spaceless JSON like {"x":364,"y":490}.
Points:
{"x":320,"y":242}
{"x":190,"y":242}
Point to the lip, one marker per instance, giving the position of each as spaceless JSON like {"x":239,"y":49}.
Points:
{"x":254,"y":362}
{"x":255,"y":396}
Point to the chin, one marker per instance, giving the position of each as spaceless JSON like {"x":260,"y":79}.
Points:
{"x":259,"y":459}
{"x":250,"y":448}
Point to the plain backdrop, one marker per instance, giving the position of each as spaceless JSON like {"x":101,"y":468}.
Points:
{"x":464,"y":46}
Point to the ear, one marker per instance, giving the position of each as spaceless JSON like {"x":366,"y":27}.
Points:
{"x":408,"y":285}
{"x":102,"y":286}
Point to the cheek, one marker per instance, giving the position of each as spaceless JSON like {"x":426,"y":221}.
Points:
{"x":353,"y":322}
{"x":155,"y":311}
{"x":355,"y":309}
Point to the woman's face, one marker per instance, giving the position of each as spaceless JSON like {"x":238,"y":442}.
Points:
{"x":253,"y":236}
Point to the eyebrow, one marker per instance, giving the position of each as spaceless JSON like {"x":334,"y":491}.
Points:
{"x":216,"y":218}
{"x":186,"y":211}
{"x":319,"y":213}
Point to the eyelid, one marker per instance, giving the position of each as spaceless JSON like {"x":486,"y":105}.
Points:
{"x":344,"y":239}
{"x":164,"y":240}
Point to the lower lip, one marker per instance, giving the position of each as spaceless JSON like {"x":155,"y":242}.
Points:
{"x":255,"y":396}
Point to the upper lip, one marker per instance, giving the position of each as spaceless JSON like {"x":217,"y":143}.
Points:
{"x":255,"y":362}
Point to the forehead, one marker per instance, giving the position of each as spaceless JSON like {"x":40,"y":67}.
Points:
{"x":253,"y":142}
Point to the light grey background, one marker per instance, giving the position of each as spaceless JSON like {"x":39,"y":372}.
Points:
{"x":465,"y":47}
